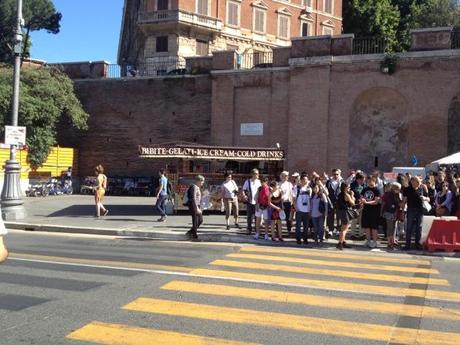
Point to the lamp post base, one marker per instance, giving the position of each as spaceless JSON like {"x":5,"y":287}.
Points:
{"x":12,"y":203}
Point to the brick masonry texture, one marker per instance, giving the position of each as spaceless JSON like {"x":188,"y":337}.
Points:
{"x":325,"y":115}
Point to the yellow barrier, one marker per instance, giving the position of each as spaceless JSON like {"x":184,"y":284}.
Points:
{"x":59,"y":159}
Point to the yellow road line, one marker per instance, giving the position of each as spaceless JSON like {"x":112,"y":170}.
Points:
{"x":314,"y":300}
{"x":294,"y":322}
{"x":334,"y":263}
{"x":332,"y":285}
{"x":322,"y":253}
{"x":117,"y":334}
{"x":93,"y":262}
{"x":331,"y":273}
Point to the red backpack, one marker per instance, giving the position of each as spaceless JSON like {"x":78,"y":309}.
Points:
{"x":264,"y":193}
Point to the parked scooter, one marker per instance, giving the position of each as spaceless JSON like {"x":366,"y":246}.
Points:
{"x":38,"y":189}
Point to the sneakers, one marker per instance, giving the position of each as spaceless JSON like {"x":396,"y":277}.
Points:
{"x":372,"y":244}
{"x":228,"y":227}
{"x":162,"y":219}
{"x":267,"y":238}
{"x":256,"y":236}
{"x":106,"y":212}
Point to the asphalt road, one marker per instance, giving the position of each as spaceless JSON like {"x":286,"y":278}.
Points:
{"x":59,"y":289}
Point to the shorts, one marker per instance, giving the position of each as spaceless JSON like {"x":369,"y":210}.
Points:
{"x":370,"y":219}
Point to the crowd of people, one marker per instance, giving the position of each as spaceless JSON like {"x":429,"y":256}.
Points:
{"x":321,"y":206}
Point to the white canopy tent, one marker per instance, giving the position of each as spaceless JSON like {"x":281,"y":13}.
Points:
{"x":453,"y":159}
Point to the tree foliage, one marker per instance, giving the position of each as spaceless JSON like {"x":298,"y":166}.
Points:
{"x":393,"y":19}
{"x":37,"y":14}
{"x":46,"y":97}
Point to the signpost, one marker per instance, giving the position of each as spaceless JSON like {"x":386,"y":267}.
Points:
{"x":12,"y":203}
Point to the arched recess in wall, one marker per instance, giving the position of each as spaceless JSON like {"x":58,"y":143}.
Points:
{"x":378,"y":130}
{"x":453,"y":132}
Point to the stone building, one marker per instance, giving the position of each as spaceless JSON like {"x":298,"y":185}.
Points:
{"x":324,"y":105}
{"x":161,"y":33}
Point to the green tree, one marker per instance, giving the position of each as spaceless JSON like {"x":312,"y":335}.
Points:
{"x":393,"y":19}
{"x":367,"y":18}
{"x":38,"y":15}
{"x":46,"y":97}
{"x":437,"y":13}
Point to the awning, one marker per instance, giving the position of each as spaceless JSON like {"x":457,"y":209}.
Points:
{"x":452,"y":159}
{"x":210,"y":152}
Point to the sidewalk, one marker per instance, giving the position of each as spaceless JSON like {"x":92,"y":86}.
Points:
{"x":136,"y":217}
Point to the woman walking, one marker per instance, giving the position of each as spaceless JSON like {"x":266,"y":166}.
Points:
{"x":101,"y":185}
{"x":229,"y":192}
{"x":345,"y":201}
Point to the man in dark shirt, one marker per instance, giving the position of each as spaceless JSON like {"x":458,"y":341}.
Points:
{"x":413,"y":196}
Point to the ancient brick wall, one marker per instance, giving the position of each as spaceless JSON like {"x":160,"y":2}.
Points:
{"x":125,"y":113}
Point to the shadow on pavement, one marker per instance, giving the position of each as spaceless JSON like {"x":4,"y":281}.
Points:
{"x":115,"y":210}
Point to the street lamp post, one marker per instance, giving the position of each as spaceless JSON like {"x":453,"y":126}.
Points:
{"x":12,"y":203}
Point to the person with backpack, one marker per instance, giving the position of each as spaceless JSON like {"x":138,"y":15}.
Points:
{"x":263,"y":211}
{"x":319,"y":206}
{"x":192,"y":199}
{"x":162,"y":195}
{"x":250,"y":188}
{"x":302,"y":209}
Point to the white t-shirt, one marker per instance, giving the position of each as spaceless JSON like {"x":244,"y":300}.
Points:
{"x":303,"y":199}
{"x":286,"y":190}
{"x":230,"y":189}
{"x":252,"y":186}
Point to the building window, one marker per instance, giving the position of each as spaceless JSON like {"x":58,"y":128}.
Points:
{"x":202,"y":7}
{"x":306,"y":3}
{"x":233,"y":13}
{"x":328,"y":31}
{"x":328,"y":6}
{"x":284,"y":23}
{"x":259,"y":21}
{"x":305,"y":29}
{"x":202,"y":48}
{"x":162,"y":44}
{"x":162,"y":5}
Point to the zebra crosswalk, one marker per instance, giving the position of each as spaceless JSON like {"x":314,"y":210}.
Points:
{"x":315,"y":296}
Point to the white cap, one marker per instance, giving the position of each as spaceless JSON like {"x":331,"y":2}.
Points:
{"x":296,"y":174}
{"x":285,"y":173}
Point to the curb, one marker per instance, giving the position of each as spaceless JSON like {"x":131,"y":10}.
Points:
{"x":168,"y":236}
{"x":153,"y":235}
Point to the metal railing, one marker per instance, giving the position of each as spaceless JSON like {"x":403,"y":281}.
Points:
{"x":456,"y":38}
{"x":160,"y":67}
{"x":254,"y":60}
{"x":368,"y":45}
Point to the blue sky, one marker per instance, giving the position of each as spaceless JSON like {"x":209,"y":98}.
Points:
{"x":90,"y":30}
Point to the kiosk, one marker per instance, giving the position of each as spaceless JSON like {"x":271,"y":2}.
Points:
{"x":183,"y":161}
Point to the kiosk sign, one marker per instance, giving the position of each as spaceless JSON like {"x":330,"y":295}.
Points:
{"x":203,"y":152}
{"x":15,"y":135}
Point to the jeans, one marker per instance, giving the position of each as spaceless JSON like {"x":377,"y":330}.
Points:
{"x":414,"y":226}
{"x":318,"y":227}
{"x":301,"y":218}
{"x":287,"y":210}
{"x":251,"y":213}
{"x":161,"y":204}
